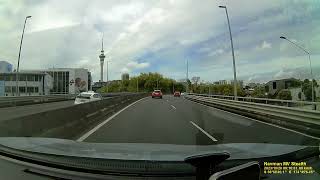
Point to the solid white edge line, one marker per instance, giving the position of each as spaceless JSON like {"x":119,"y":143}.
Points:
{"x":280,"y":127}
{"x":92,"y":114}
{"x":173,"y":107}
{"x":86,"y":135}
{"x":204,"y":132}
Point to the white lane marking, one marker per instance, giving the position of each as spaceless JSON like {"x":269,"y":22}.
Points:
{"x":104,"y":109}
{"x":204,"y":132}
{"x":173,"y":107}
{"x":86,"y":135}
{"x":297,"y":132}
{"x":92,"y":114}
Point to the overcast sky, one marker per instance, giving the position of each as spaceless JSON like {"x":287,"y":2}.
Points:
{"x":159,"y":36}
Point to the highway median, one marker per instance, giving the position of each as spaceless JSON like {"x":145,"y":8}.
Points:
{"x":69,"y":122}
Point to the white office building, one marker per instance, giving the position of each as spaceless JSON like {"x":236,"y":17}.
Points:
{"x":45,"y":82}
{"x":32,"y":83}
{"x":70,"y":80}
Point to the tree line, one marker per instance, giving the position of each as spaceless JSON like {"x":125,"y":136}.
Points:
{"x":147,"y":82}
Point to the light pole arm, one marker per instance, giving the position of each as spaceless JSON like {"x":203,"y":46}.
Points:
{"x":24,"y":27}
{"x":18,"y":65}
{"x":233,"y":57}
{"x":308,"y":53}
{"x":298,"y":46}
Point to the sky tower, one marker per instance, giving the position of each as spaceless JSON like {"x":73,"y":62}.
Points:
{"x":102,"y":56}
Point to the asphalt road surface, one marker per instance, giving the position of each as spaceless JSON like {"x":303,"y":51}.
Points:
{"x":174,"y":120}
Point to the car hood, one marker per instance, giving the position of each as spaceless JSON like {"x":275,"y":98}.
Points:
{"x":138,"y":151}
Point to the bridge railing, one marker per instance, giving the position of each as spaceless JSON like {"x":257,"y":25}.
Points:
{"x":303,"y":120}
{"x":278,"y":102}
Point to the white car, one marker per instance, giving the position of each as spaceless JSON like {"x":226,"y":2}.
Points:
{"x":85,"y":97}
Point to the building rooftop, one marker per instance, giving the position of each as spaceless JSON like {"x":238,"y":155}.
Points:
{"x":282,"y":79}
{"x":26,"y":72}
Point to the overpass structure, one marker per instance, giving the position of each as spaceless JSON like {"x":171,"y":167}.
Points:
{"x":190,"y":120}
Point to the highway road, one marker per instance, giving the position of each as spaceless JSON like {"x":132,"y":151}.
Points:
{"x":173,"y":120}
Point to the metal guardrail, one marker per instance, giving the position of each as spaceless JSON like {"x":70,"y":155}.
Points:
{"x":278,"y":102}
{"x":301,"y":116}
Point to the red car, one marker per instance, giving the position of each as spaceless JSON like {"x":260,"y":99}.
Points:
{"x":157,"y":93}
{"x":176,"y":94}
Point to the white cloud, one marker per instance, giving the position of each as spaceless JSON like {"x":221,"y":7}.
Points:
{"x":133,"y":65}
{"x":125,"y":70}
{"x":136,"y":65}
{"x":68,"y":34}
{"x":204,"y":50}
{"x":216,"y":52}
{"x":264,"y":45}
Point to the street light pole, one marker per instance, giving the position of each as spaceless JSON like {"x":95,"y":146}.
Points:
{"x":308,"y":53}
{"x":17,"y":71}
{"x":234,"y":62}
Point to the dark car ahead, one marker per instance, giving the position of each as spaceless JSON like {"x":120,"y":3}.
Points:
{"x":157,"y":94}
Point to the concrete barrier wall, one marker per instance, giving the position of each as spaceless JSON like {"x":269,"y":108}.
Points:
{"x":28,"y":100}
{"x":69,"y":123}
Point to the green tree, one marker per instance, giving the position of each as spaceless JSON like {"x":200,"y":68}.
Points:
{"x":307,"y":88}
{"x":240,"y":92}
{"x":227,"y":90}
{"x":284,"y":94}
{"x":259,"y":92}
{"x":179,"y":87}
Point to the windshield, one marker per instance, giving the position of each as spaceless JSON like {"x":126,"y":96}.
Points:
{"x":169,"y":72}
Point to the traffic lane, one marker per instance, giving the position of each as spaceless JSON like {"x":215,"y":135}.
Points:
{"x":149,"y":121}
{"x":228,"y":127}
